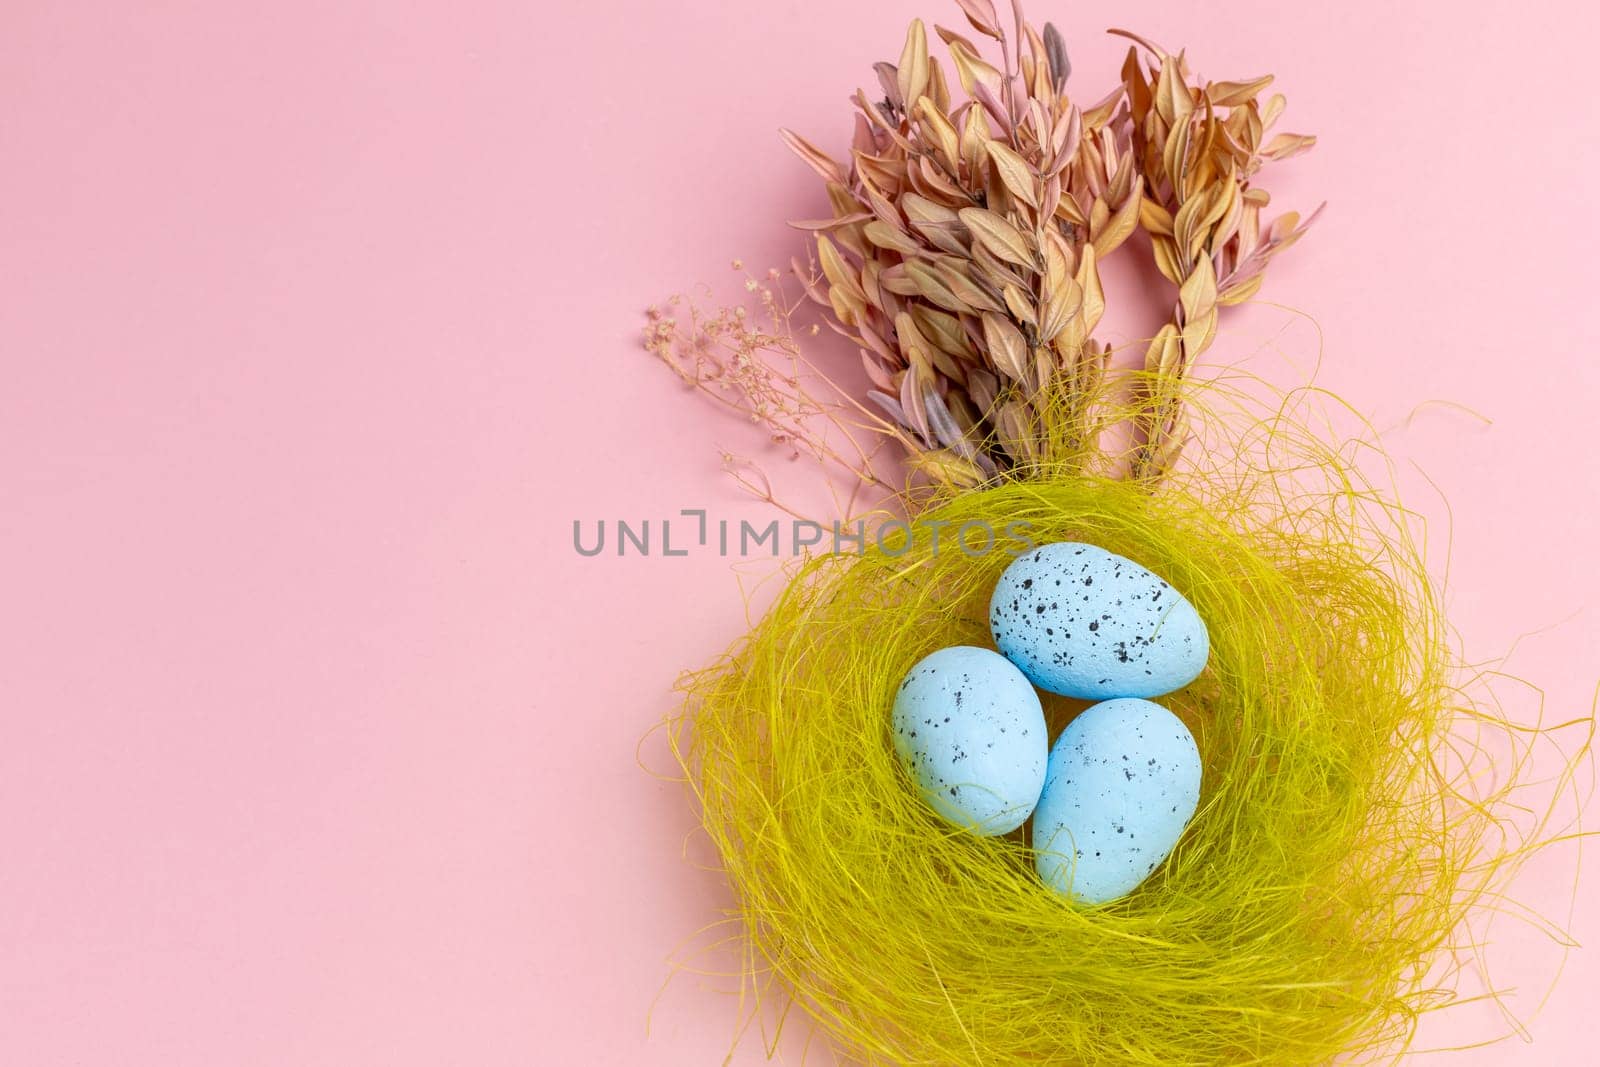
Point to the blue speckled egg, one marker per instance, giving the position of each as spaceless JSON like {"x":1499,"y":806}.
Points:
{"x":971,"y":733}
{"x":1123,"y":783}
{"x":1087,"y":623}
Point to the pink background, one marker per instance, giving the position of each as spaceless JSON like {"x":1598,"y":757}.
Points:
{"x":317,"y":741}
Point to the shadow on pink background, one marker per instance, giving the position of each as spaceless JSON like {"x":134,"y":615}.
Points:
{"x":317,"y":740}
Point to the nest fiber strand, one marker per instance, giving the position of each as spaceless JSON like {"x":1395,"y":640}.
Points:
{"x":1334,"y":854}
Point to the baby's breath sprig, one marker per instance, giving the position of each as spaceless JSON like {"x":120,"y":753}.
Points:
{"x":752,"y":364}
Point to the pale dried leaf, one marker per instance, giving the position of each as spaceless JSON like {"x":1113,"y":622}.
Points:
{"x":930,"y":285}
{"x":947,"y":365}
{"x":883,"y":235}
{"x":944,"y":426}
{"x":939,"y":131}
{"x":974,"y":140}
{"x":839,"y":273}
{"x":1094,"y":297}
{"x":1020,"y":307}
{"x":1174,"y":159}
{"x":1199,"y":332}
{"x":1044,"y":367}
{"x":944,"y":330}
{"x":1118,"y":228}
{"x":815,"y":158}
{"x":971,"y":296}
{"x":1100,"y":114}
{"x":1288,"y":145}
{"x":861,"y":140}
{"x":897,"y":281}
{"x":912,"y":73}
{"x":1234,"y":93}
{"x":983,"y":388}
{"x":1067,"y":133}
{"x":879,"y":347}
{"x":1173,"y":98}
{"x":1070,"y":210}
{"x":1052,"y":197}
{"x":1015,"y":172}
{"x":829,"y":224}
{"x":1007,"y":348}
{"x":935,"y":182}
{"x":1165,"y":252}
{"x":944,"y":466}
{"x":887,"y":175}
{"x":981,"y":14}
{"x":999,"y":236}
{"x":889,"y":82}
{"x":1056,"y":49}
{"x":890,"y":406}
{"x":1154,"y":218}
{"x":1273,"y":109}
{"x":916,"y":349}
{"x":911,"y":385}
{"x":990,"y":100}
{"x":972,"y":70}
{"x":876,"y":372}
{"x":871,"y":270}
{"x":921,"y":209}
{"x":1240,"y":292}
{"x":1153,"y":49}
{"x":1187,"y":232}
{"x":1061,"y":303}
{"x":994,"y":272}
{"x":1014,"y":425}
{"x":1197,"y":296}
{"x":938,"y":91}
{"x":1164,"y":353}
{"x":848,"y":307}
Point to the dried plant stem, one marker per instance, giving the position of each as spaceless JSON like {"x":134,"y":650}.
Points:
{"x":1199,"y":149}
{"x":962,"y":254}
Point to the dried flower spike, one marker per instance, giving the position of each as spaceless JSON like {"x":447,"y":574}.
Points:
{"x":963,"y":252}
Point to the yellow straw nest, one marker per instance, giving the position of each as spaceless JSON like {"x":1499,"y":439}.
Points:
{"x":1338,"y":846}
